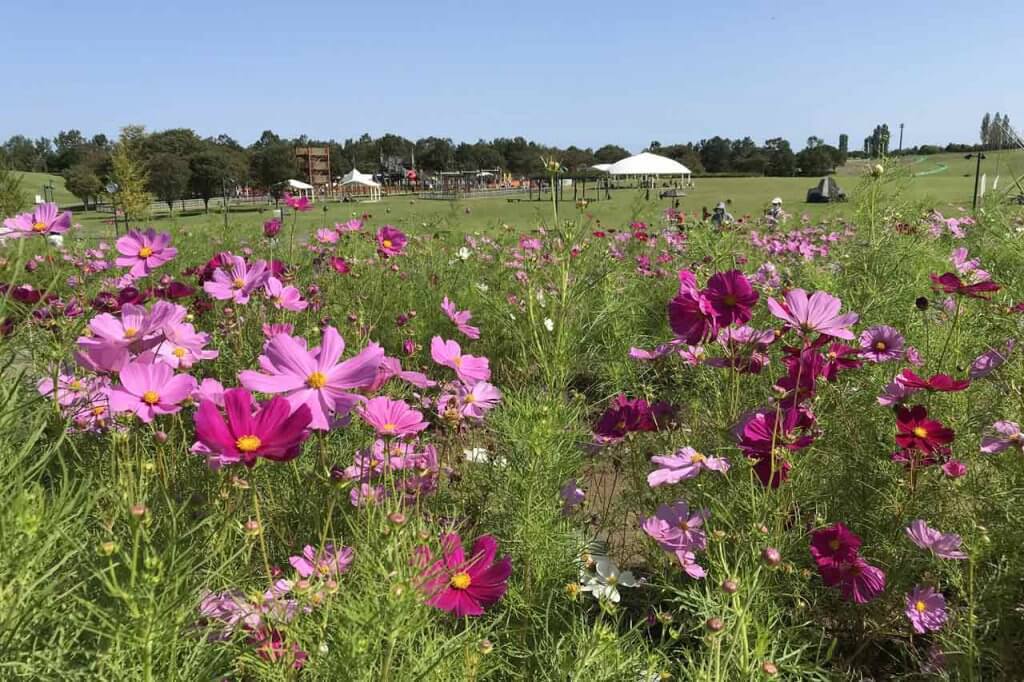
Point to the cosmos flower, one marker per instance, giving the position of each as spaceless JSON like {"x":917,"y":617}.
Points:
{"x":326,"y":236}
{"x":860,"y":582}
{"x":990,"y":360}
{"x":881,"y":343}
{"x":284,"y":297}
{"x":572,"y":496}
{"x":1009,"y":435}
{"x":477,"y":400}
{"x":818,"y":313}
{"x":627,"y":415}
{"x":915,"y":430}
{"x":183,"y":346}
{"x":390,"y":241}
{"x":677,"y":527}
{"x":690,"y":313}
{"x":461,"y":319}
{"x":951,"y":284}
{"x":149,"y":389}
{"x":461,"y":586}
{"x":316,"y":378}
{"x":469,"y":368}
{"x":833,"y":545}
{"x":926,"y":609}
{"x":43,"y":220}
{"x":682,"y":465}
{"x":942,"y":545}
{"x":937,"y":382}
{"x":340,"y":266}
{"x":605,"y":581}
{"x":143,"y":252}
{"x":299,"y":204}
{"x":839,"y":357}
{"x":731,"y":297}
{"x":271,"y":227}
{"x":271,"y":430}
{"x":329,"y":562}
{"x":239,"y":280}
{"x":392,"y":418}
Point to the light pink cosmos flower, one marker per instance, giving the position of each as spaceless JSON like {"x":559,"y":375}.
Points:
{"x":1009,"y":435}
{"x":990,"y":360}
{"x":572,"y":496}
{"x":675,"y":527}
{"x":143,"y":252}
{"x":315,"y":377}
{"x":70,"y":389}
{"x":391,"y":368}
{"x":461,"y":319}
{"x":284,"y":297}
{"x":926,"y":609}
{"x":237,"y":282}
{"x":326,"y":236}
{"x":183,"y":346}
{"x":392,"y":418}
{"x":688,"y":561}
{"x":211,"y":390}
{"x":353,"y":225}
{"x":477,"y":400}
{"x":881,"y":343}
{"x":272,"y":330}
{"x":896,"y":392}
{"x":942,"y":545}
{"x":113,"y":339}
{"x":470,"y":369}
{"x":684,"y":464}
{"x":818,"y":313}
{"x":43,"y":220}
{"x":330,"y":562}
{"x":150,"y":389}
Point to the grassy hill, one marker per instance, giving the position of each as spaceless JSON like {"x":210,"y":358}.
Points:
{"x":32,"y":184}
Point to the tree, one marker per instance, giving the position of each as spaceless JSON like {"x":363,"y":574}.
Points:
{"x":781,"y":160}
{"x":610,"y":153}
{"x":68,"y":147}
{"x":168,"y":177}
{"x":272,"y":162}
{"x":20,"y":153}
{"x":12,"y":199}
{"x":82,"y":181}
{"x":210,"y":169}
{"x":814,"y":141}
{"x":130,"y":173}
{"x":820,"y":159}
{"x":575,"y":159}
{"x":182,"y":142}
{"x":986,"y":125}
{"x":716,"y":154}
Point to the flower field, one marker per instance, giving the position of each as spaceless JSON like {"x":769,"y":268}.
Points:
{"x":648,"y":451}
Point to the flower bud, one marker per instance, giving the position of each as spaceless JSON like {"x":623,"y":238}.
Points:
{"x":771,"y":556}
{"x":730,"y":586}
{"x":138,"y":510}
{"x":485,"y":646}
{"x":769,"y":669}
{"x":160,"y":436}
{"x":252,"y":527}
{"x":714,"y":624}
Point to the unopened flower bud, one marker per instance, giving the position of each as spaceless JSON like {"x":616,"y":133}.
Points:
{"x":138,"y":510}
{"x":714,"y":624}
{"x":485,"y":646}
{"x":252,"y":527}
{"x":771,"y":556}
{"x":769,"y":669}
{"x":730,"y":586}
{"x":397,"y":518}
{"x":160,"y":436}
{"x":107,"y":548}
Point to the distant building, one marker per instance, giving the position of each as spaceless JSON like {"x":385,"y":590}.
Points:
{"x":315,"y":163}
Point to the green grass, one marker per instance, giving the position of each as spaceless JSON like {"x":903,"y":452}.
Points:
{"x":33,"y":183}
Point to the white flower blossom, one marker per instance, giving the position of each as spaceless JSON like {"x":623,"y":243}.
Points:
{"x":606,"y":580}
{"x":549,"y":324}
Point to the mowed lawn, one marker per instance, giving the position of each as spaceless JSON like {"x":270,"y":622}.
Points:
{"x":944,"y":180}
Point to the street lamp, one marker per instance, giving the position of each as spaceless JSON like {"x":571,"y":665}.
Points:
{"x":977,"y":175}
{"x":112,"y":189}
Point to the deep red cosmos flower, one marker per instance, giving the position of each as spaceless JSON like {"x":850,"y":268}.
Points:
{"x":915,"y":430}
{"x":626,"y":415}
{"x":731,"y":297}
{"x":951,"y":284}
{"x":833,"y":545}
{"x":938,"y":382}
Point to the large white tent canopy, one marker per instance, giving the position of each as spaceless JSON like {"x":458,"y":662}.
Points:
{"x":603,"y":167}
{"x":646,"y":163}
{"x":355,"y":178}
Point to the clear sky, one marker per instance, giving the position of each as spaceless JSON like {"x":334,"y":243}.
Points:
{"x":560,"y":72}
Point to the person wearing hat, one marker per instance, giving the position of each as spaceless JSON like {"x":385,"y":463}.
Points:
{"x":775,"y":211}
{"x":721,"y":217}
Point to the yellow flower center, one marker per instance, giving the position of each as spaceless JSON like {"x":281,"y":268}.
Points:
{"x":248,"y":443}
{"x":151,"y":397}
{"x":387,"y":245}
{"x":316,"y":380}
{"x":684,"y":525}
{"x":470,"y":399}
{"x":880,"y":345}
{"x":75,"y":385}
{"x":697,"y":458}
{"x":457,"y":361}
{"x":98,"y":410}
{"x":729,"y":300}
{"x":834,"y":545}
{"x":239,"y":283}
{"x":179,"y":352}
{"x":920,"y":606}
{"x":145,"y":252}
{"x":920,"y":432}
{"x":389,"y":427}
{"x":612,"y":581}
{"x":130,"y":332}
{"x":461,"y":580}
{"x":39,"y":227}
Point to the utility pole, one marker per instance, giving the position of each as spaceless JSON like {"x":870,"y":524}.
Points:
{"x":977,"y":175}
{"x":901,"y":137}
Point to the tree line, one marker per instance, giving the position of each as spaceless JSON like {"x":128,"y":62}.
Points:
{"x":996,"y":132}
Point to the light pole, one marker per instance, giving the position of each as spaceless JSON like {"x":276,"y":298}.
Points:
{"x":112,"y":189}
{"x":977,"y":175}
{"x":901,"y":137}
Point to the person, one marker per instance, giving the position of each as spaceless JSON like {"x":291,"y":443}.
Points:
{"x":775,"y":211}
{"x":704,"y":215}
{"x":721,"y":217}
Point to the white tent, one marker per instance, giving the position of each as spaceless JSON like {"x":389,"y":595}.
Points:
{"x":356,"y":179}
{"x":603,"y":167}
{"x":299,"y":188}
{"x":647,"y":164}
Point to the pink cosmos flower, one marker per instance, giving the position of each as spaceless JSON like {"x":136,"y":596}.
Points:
{"x":183,"y":346}
{"x":340,"y":266}
{"x":937,"y":382}
{"x":464,"y":586}
{"x":881,"y":343}
{"x":477,"y":400}
{"x":690,"y":313}
{"x":143,"y":252}
{"x":470,"y":369}
{"x":392,"y":418}
{"x":390,"y":241}
{"x":150,"y":389}
{"x":70,"y":389}
{"x":284,"y":297}
{"x":314,"y":377}
{"x":731,"y":297}
{"x":211,"y":390}
{"x":299,"y":204}
{"x":895,"y":393}
{"x":684,"y":464}
{"x":954,"y":468}
{"x":860,"y":582}
{"x":942,"y":545}
{"x":461,"y":319}
{"x":326,"y":236}
{"x":239,"y":281}
{"x":353,"y":225}
{"x":271,"y":430}
{"x":1009,"y":435}
{"x":968,"y":267}
{"x":572,"y":496}
{"x":43,"y":220}
{"x":926,"y":609}
{"x":328,"y":563}
{"x":271,"y":227}
{"x":818,"y":313}
{"x":676,"y":527}
{"x":272,"y":330}
{"x":391,"y":368}
{"x":113,"y":339}
{"x":990,"y":361}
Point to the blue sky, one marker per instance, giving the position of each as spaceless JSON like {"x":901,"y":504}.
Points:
{"x":559,"y":72}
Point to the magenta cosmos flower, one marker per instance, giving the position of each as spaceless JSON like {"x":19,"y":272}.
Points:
{"x":818,"y":313}
{"x":690,"y":313}
{"x":682,"y":465}
{"x":859,"y":581}
{"x":461,"y":319}
{"x":731,"y":296}
{"x":390,"y":241}
{"x":340,"y":266}
{"x":833,"y":545}
{"x":299,"y":204}
{"x":314,"y":377}
{"x":43,"y":220}
{"x":239,"y":280}
{"x":392,"y":418}
{"x":271,"y":227}
{"x":881,"y":344}
{"x":330,"y":562}
{"x":942,"y":545}
{"x":926,"y":609}
{"x":142,"y":252}
{"x":464,"y":586}
{"x":284,"y":297}
{"x":150,"y":389}
{"x":470,"y":369}
{"x":271,"y":430}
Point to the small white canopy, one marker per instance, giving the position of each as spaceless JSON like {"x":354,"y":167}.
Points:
{"x":646,"y":163}
{"x":299,"y":188}
{"x":298,"y":184}
{"x":355,"y":178}
{"x":603,"y":167}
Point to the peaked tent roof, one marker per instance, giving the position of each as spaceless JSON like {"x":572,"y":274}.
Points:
{"x":603,"y":167}
{"x":354,"y":177}
{"x":298,"y":184}
{"x":646,"y":163}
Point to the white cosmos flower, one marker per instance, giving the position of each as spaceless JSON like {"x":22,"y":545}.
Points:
{"x":606,"y":580}
{"x":549,"y":324}
{"x":463,"y":253}
{"x":55,"y":239}
{"x":482,"y":456}
{"x":482,"y":287}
